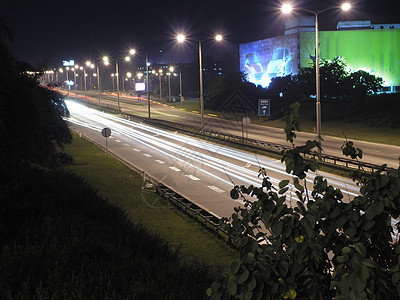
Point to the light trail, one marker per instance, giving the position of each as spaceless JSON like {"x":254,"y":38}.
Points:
{"x":155,"y":139}
{"x":214,"y":161}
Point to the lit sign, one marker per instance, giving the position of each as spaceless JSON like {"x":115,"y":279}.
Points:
{"x":69,"y":63}
{"x":264,"y":60}
{"x":140,"y":86}
{"x":374,"y":51}
{"x":69,"y":82}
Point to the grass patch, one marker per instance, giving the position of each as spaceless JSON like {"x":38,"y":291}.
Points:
{"x":61,"y":240}
{"x":123,"y":187}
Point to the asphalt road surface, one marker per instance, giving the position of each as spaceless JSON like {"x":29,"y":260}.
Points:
{"x":201,"y":171}
{"x":372,"y":152}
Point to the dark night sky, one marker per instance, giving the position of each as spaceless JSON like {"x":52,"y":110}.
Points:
{"x":48,"y":30}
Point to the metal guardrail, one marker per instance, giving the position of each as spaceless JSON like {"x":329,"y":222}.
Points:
{"x":206,"y":218}
{"x":339,"y":163}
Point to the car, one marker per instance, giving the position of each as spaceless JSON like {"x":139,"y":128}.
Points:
{"x":280,"y":64}
{"x":253,"y":68}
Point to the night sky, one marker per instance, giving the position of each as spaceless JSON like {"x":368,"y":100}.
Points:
{"x":48,"y":31}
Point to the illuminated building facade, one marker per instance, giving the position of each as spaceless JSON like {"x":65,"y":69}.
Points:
{"x":374,"y":48}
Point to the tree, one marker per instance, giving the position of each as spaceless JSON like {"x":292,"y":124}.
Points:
{"x":31,"y":116}
{"x":222,"y":87}
{"x":363,"y":83}
{"x":324,"y":247}
{"x":337,"y":81}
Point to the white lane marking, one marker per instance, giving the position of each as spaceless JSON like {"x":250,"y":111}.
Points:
{"x":248,"y":165}
{"x":147,"y":155}
{"x":125,"y":144}
{"x":175,"y":169}
{"x":137,"y":150}
{"x":118,"y":141}
{"x":217,"y":189}
{"x":160,"y":161}
{"x":192,"y":177}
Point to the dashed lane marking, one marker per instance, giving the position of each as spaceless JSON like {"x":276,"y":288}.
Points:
{"x":192,"y":177}
{"x":216,"y":189}
{"x":175,"y":169}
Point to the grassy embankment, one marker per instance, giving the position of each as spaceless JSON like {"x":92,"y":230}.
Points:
{"x":123,"y":188}
{"x":355,"y":122}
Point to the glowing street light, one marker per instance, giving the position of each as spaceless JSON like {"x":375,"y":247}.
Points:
{"x":181,"y":38}
{"x":286,"y":9}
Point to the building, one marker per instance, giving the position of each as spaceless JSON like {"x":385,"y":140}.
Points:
{"x":374,"y":48}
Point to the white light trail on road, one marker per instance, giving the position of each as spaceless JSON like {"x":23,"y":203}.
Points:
{"x":156,"y":140}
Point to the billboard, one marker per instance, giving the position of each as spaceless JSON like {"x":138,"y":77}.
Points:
{"x":140,"y":86}
{"x":265,"y":59}
{"x":69,"y":63}
{"x":374,"y":51}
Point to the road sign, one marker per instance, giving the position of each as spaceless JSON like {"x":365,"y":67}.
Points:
{"x":106,"y":132}
{"x":264,"y":107}
{"x":246,"y":121}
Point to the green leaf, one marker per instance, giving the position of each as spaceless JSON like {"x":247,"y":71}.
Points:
{"x":283,"y":183}
{"x":252,"y":283}
{"x":368,"y":225}
{"x":364,"y":274}
{"x":285,"y":266}
{"x":357,"y":283}
{"x":369,"y":263}
{"x":360,"y":248}
{"x":235,"y":266}
{"x":277,"y":228}
{"x":243,"y":276}
{"x":341,"y":221}
{"x":234,"y":194}
{"x":351,"y":231}
{"x":284,"y":190}
{"x":232,"y":286}
{"x":346,"y":250}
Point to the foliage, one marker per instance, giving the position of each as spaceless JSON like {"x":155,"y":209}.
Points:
{"x":31,"y":116}
{"x":223,"y":87}
{"x":337,"y":81}
{"x":364,"y":83}
{"x":322,"y":246}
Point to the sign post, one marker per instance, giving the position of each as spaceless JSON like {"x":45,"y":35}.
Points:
{"x":264,"y":107}
{"x":106,"y":132}
{"x":246,"y":121}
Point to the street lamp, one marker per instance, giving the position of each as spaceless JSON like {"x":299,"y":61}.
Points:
{"x":286,"y":9}
{"x":171,"y":70}
{"x":181,"y":38}
{"x":112,"y":76}
{"x":106,"y":61}
{"x":160,"y":71}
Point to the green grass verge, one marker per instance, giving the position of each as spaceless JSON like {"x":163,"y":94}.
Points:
{"x":122,"y":187}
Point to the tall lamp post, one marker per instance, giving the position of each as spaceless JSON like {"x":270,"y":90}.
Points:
{"x":160,"y":72}
{"x":181,"y":38}
{"x":107,"y":62}
{"x":286,"y":9}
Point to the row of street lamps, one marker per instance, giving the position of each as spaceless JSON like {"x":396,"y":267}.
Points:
{"x":286,"y":9}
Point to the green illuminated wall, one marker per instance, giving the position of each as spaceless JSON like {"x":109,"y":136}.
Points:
{"x":374,"y":51}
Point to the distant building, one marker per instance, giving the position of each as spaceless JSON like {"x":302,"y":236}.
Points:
{"x":374,"y":48}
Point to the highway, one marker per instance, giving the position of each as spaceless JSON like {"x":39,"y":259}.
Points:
{"x":200,"y":171}
{"x":372,"y":152}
